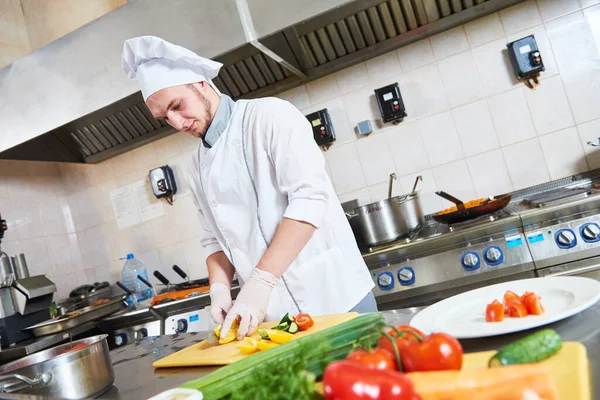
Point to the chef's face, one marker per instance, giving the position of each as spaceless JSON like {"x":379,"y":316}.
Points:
{"x":188,"y":108}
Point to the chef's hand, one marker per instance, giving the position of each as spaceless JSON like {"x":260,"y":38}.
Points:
{"x":251,"y":303}
{"x":220,"y":302}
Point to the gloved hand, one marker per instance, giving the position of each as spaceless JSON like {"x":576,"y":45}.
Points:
{"x":251,"y":303}
{"x":220,"y":302}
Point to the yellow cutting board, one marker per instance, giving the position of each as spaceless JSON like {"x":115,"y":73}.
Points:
{"x":569,"y":369}
{"x":203,"y":353}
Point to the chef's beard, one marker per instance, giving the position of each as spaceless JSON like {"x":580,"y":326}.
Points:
{"x":205,"y":120}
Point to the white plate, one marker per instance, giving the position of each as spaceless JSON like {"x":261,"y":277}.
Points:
{"x":463,"y":315}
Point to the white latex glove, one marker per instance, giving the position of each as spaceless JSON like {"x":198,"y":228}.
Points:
{"x":251,"y":303}
{"x":220,"y":302}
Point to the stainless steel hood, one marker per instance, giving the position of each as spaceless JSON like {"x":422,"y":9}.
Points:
{"x":69,"y":101}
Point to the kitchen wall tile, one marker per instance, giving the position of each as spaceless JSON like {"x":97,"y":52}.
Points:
{"x":145,"y":157}
{"x":526,"y":164}
{"x":383,"y":66}
{"x":195,"y":258}
{"x":144,"y":239}
{"x":352,"y":78}
{"x":95,"y":246}
{"x":11,"y":6}
{"x":589,"y":3}
{"x":64,"y":255}
{"x":484,"y":30}
{"x":52,"y":221}
{"x":583,"y":92}
{"x":495,"y":70}
{"x":375,"y":158}
{"x":180,"y":165}
{"x":511,"y":117}
{"x":361,"y":105}
{"x":590,"y":132}
{"x":363,"y":196}
{"x":450,"y":42}
{"x":489,"y":174}
{"x":550,"y":9}
{"x":430,"y":202}
{"x":36,"y":254}
{"x":461,"y":80}
{"x":151,"y":261}
{"x":426,"y":91}
{"x":475,"y":128}
{"x":124,"y":164}
{"x":549,"y":106}
{"x":345,"y":168}
{"x":519,"y":17}
{"x":380,"y":191}
{"x":440,"y":138}
{"x":168,"y":147}
{"x":415,"y":55}
{"x":344,"y":133}
{"x":408,"y":148}
{"x":541,"y":38}
{"x":563,"y":153}
{"x":13,"y":30}
{"x":322,"y":89}
{"x":11,"y":212}
{"x":185,"y":216}
{"x":99,"y":274}
{"x":10,"y":53}
{"x":169,"y":256}
{"x":189,"y":142}
{"x":455,"y":178}
{"x":29,"y":223}
{"x":298,"y":96}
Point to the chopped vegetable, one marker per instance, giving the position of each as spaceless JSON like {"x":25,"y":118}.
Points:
{"x":348,"y":380}
{"x":516,"y":310}
{"x":533,"y":304}
{"x":531,"y":349}
{"x":494,"y":312}
{"x":287,"y":318}
{"x":293,"y":328}
{"x":248,"y":346}
{"x":506,"y":383}
{"x":279,"y":337}
{"x":263,"y":334}
{"x":304,"y":321}
{"x":511,"y":297}
{"x":231,"y":335}
{"x":266,"y":345}
{"x":375,"y":359}
{"x":283,"y":326}
{"x":436,"y":352}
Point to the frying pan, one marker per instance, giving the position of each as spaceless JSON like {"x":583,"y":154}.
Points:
{"x":490,"y":205}
{"x":188,"y":284}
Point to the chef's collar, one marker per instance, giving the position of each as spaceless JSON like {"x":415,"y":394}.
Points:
{"x":219,"y":122}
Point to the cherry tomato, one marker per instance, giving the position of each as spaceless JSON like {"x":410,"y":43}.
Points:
{"x":409,"y":335}
{"x":437,"y":352}
{"x":376,"y":359}
{"x":516,"y":309}
{"x":304,"y":321}
{"x":348,"y":380}
{"x":494,"y":312}
{"x":533,"y":304}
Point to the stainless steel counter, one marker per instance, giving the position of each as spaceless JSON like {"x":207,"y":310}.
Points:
{"x":136,"y":379}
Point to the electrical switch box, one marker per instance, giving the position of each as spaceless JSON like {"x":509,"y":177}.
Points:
{"x":163,"y":183}
{"x":322,"y":128}
{"x":526,"y":60}
{"x":390,"y":103}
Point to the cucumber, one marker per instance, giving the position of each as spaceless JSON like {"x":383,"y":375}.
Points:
{"x":286,"y":318}
{"x":284,"y":326}
{"x":293,"y":328}
{"x":263,"y":334}
{"x":531,"y":349}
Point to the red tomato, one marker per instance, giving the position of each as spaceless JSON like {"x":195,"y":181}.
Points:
{"x":524,"y":295}
{"x":376,"y":359}
{"x":510,"y":296}
{"x":533,"y":304}
{"x":439,"y":351}
{"x":516,"y":309}
{"x":304,"y":321}
{"x":409,"y":335}
{"x":494,"y":312}
{"x":347,"y":380}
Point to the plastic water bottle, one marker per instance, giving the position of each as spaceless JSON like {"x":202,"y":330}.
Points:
{"x":132,"y":268}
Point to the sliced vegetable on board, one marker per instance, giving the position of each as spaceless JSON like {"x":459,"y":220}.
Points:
{"x":304,"y":321}
{"x":531,"y":349}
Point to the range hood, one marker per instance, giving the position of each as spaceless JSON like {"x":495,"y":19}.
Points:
{"x":70,"y":101}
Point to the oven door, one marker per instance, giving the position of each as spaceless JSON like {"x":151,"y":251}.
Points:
{"x":589,"y":268}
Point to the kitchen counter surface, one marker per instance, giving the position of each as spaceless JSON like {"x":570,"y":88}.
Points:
{"x":136,"y":379}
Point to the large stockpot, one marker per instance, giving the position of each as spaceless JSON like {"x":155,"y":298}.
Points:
{"x":60,"y":372}
{"x":387,"y":220}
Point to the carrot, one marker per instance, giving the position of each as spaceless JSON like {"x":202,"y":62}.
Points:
{"x":505,"y":383}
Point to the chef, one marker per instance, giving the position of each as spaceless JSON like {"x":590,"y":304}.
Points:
{"x":267,"y":208}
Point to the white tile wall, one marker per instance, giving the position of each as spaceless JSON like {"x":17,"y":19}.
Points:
{"x":519,"y":17}
{"x":440,"y":138}
{"x":454,"y":178}
{"x":511,"y":117}
{"x":526,"y":164}
{"x":563,"y":153}
{"x":489,"y":173}
{"x":590,"y":132}
{"x":376,"y":159}
{"x":484,"y":30}
{"x":450,"y":42}
{"x":460,"y":79}
{"x":408,"y":148}
{"x":475,"y":128}
{"x":494,"y":68}
{"x":549,"y":106}
{"x":415,"y":55}
{"x":426,"y":91}
{"x":383,"y":66}
{"x":550,"y":9}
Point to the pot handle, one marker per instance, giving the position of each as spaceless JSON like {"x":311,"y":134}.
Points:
{"x":350,"y":216}
{"x":9,"y":387}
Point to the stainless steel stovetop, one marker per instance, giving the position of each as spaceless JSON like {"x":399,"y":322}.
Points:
{"x":543,"y":228}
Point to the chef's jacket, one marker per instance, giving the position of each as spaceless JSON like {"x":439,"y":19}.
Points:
{"x":261,"y":165}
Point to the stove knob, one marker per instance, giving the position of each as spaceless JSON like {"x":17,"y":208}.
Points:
{"x":566,"y":238}
{"x":182,"y":326}
{"x":120,"y":339}
{"x":470,"y":261}
{"x":494,"y":256}
{"x":590,"y":232}
{"x":406,"y":276}
{"x":385,"y":280}
{"x":140,"y":334}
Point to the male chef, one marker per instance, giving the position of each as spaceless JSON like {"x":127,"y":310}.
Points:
{"x":267,"y":208}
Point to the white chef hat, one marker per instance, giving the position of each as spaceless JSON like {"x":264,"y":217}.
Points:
{"x":158,"y":64}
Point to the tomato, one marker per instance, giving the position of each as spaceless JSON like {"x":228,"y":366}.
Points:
{"x":494,"y":312}
{"x":376,"y":359}
{"x":437,"y":352}
{"x":409,"y":335}
{"x":516,"y":309}
{"x":533,"y":304}
{"x":510,"y":297}
{"x":304,"y":321}
{"x":348,"y":380}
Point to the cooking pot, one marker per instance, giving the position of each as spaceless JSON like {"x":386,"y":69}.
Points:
{"x":76,"y":370}
{"x":389,"y":219}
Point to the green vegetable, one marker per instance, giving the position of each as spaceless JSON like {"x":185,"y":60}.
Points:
{"x":531,"y":349}
{"x":297,"y":363}
{"x":287,"y":318}
{"x":283,"y":326}
{"x":263,"y":334}
{"x":293,"y":328}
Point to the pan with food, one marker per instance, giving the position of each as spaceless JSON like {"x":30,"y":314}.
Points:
{"x":471,"y":209}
